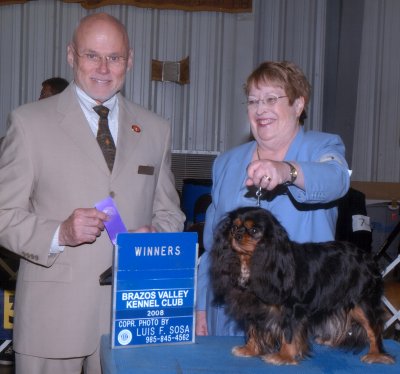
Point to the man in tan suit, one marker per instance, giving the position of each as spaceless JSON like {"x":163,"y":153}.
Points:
{"x":52,"y":173}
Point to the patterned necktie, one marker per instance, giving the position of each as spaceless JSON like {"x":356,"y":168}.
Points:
{"x":104,"y":137}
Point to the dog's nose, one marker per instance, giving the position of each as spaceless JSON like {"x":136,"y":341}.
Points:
{"x":237,"y":232}
{"x":238,"y":236}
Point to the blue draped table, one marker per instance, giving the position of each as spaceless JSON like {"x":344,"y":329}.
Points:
{"x":213,"y":355}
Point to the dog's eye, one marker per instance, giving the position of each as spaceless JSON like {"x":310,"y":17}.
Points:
{"x":253,"y":230}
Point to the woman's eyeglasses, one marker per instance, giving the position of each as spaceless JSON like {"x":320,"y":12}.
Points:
{"x":267,"y":100}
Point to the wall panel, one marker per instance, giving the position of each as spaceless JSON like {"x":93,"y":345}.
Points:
{"x":36,"y":35}
{"x":376,"y":152}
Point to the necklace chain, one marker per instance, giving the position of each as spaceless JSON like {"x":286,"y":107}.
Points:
{"x":259,"y":190}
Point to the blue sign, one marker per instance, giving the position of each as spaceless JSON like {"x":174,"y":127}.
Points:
{"x":154,"y":288}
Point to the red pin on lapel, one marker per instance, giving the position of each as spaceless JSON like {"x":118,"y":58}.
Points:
{"x":136,"y":128}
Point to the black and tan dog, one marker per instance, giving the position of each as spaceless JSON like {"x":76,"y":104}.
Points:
{"x":286,"y":293}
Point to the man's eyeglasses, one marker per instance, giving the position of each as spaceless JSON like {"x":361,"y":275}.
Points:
{"x":95,"y":59}
{"x":268,"y":100}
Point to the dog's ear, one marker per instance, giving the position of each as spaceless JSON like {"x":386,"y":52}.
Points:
{"x":272,"y":265}
{"x":225,"y":264}
{"x":221,"y":242}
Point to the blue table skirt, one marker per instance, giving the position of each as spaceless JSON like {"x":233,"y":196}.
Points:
{"x":213,"y":355}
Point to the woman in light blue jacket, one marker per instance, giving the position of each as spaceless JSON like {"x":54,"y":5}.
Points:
{"x":301,"y":175}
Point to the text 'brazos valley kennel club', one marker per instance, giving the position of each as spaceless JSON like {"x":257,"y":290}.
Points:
{"x":154,"y":289}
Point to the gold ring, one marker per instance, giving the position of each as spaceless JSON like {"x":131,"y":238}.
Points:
{"x":269,"y":179}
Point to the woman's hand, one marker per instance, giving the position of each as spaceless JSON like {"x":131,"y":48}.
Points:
{"x":267,"y":174}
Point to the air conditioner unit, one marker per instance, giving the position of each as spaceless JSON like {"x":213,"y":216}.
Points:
{"x":192,"y":165}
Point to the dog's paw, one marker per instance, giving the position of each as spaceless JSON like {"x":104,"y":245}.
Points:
{"x":377,"y":358}
{"x":279,"y":359}
{"x":244,"y":351}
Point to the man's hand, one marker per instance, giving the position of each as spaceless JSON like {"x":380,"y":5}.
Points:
{"x":84,"y":225}
{"x":201,"y":323}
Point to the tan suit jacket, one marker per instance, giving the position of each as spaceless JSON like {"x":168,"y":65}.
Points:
{"x":50,"y":164}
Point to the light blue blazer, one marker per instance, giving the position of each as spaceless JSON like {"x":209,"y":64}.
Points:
{"x":307,"y":215}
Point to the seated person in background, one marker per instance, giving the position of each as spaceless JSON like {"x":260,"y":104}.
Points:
{"x":353,"y":223}
{"x":301,"y":174}
{"x":52,"y":86}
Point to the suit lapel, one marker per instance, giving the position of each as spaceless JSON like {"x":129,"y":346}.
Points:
{"x":75,"y":125}
{"x":127,"y":136}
